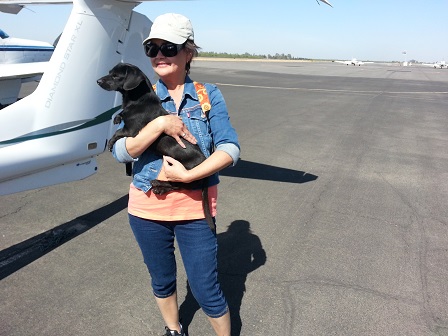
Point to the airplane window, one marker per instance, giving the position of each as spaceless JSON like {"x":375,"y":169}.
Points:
{"x":3,"y":35}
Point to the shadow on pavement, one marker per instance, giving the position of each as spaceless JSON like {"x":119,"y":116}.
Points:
{"x":260,"y":171}
{"x":239,"y":253}
{"x":17,"y":256}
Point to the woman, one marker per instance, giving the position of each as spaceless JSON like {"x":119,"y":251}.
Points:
{"x":157,"y":220}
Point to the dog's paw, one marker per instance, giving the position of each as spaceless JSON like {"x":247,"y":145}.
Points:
{"x":117,"y":119}
{"x":160,"y":190}
{"x":157,"y":191}
{"x":160,"y":187}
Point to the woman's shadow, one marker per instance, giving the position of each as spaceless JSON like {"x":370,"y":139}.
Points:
{"x":239,"y":253}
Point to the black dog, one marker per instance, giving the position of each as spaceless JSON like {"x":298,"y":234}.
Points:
{"x":140,"y":106}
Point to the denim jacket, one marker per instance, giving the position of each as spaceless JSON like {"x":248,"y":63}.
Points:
{"x":213,"y":132}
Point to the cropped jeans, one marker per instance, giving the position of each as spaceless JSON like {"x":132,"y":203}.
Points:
{"x":198,"y":248}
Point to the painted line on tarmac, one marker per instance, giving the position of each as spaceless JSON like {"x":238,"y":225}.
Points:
{"x":333,"y":90}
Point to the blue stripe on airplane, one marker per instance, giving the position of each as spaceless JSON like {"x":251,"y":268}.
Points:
{"x":25,"y":48}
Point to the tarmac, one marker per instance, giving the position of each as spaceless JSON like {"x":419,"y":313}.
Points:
{"x":334,"y":222}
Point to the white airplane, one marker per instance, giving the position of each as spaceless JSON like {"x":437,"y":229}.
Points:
{"x":54,"y":134}
{"x":353,"y":61}
{"x":20,"y":61}
{"x":439,"y":64}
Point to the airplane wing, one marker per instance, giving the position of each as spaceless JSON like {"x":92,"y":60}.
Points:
{"x":13,"y":7}
{"x":353,"y":61}
{"x":343,"y":62}
{"x":13,"y":75}
{"x":22,"y":70}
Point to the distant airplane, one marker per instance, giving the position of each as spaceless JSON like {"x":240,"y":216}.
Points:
{"x":325,"y":2}
{"x":439,"y":64}
{"x":353,"y":61}
{"x":20,"y":61}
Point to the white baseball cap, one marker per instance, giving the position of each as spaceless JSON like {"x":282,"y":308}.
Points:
{"x":171,"y":27}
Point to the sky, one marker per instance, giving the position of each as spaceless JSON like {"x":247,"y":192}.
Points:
{"x":369,"y":30}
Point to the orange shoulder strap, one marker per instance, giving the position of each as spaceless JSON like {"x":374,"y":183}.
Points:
{"x":202,"y":96}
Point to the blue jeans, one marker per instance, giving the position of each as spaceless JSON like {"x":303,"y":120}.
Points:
{"x":198,"y":248}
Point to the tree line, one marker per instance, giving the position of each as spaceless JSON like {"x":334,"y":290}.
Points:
{"x":250,"y":56}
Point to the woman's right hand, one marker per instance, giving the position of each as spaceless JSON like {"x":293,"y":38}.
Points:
{"x":169,"y":124}
{"x":173,"y":126}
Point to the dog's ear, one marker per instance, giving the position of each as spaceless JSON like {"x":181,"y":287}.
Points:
{"x":133,"y":79}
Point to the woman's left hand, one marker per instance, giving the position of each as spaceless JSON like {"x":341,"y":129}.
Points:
{"x":174,"y":170}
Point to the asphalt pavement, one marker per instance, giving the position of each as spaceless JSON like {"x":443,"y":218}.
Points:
{"x":334,"y":222}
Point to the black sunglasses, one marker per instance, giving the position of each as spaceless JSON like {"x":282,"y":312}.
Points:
{"x":167,"y":49}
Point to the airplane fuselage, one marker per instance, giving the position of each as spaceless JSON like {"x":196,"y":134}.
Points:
{"x":14,"y":50}
{"x":356,"y":62}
